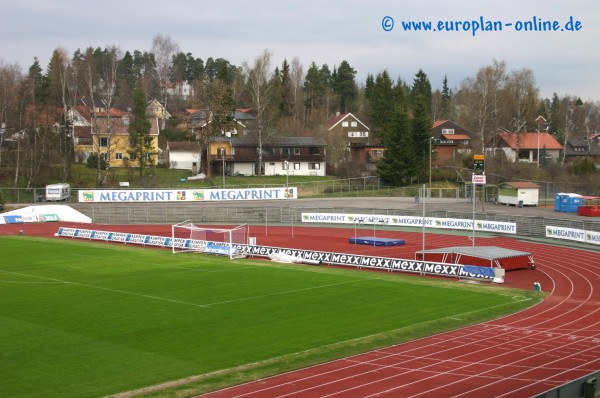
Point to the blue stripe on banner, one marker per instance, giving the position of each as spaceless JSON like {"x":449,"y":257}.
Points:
{"x":486,"y":272}
{"x":13,"y":219}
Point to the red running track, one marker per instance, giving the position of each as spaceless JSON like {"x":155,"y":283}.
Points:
{"x":520,"y":355}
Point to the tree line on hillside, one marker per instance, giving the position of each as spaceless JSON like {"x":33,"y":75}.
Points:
{"x":286,"y":99}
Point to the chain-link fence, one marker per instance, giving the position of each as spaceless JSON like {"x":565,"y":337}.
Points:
{"x":527,"y":226}
{"x":349,"y":187}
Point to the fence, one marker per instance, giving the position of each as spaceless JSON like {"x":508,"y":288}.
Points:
{"x":351,"y":187}
{"x":368,"y":186}
{"x":533,"y":227}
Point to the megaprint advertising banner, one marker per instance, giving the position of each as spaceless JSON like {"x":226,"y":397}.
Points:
{"x":185,"y":195}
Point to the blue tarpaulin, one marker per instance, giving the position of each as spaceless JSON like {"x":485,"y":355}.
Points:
{"x":480,"y":271}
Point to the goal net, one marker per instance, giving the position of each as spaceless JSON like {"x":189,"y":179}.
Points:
{"x":188,"y":237}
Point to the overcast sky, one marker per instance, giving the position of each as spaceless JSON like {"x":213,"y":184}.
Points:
{"x":566,"y":62}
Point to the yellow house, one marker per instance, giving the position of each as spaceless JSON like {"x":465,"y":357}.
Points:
{"x":219,"y":151}
{"x":156,"y":109}
{"x":108,"y":135}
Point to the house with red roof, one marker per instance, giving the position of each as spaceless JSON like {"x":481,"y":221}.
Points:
{"x":528,"y":147}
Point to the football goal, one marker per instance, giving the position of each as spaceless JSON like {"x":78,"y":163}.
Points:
{"x":189,"y":237}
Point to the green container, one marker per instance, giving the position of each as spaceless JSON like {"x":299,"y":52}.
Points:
{"x":589,"y":388}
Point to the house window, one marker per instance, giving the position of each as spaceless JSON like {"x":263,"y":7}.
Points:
{"x":119,"y":155}
{"x":314,"y":166}
{"x":315,"y":151}
{"x":132,"y":156}
{"x":344,"y":124}
{"x":285,"y":165}
{"x":267,"y":151}
{"x":285,"y":152}
{"x":103,"y":142}
{"x":358,"y":134}
{"x":296,"y":166}
{"x":83,"y":141}
{"x":375,"y":155}
{"x":353,"y":124}
{"x":297,"y":151}
{"x":447,"y":131}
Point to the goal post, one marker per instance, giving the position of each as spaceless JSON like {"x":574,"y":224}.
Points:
{"x":189,"y":237}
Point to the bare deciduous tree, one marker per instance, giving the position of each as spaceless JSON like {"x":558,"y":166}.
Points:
{"x":520,"y":101}
{"x":480,"y":100}
{"x":259,"y":90}
{"x":213,"y":97}
{"x":59,"y":75}
{"x":164,"y":49}
{"x":10,"y":79}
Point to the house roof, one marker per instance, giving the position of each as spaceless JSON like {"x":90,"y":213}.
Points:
{"x":244,"y":114}
{"x":119,"y":126}
{"x":579,"y":147}
{"x":530,"y":140}
{"x":460,"y":133}
{"x":439,"y":123}
{"x":519,"y":185}
{"x":185,"y":146}
{"x":335,"y":120}
{"x":112,"y":112}
{"x":578,"y":143}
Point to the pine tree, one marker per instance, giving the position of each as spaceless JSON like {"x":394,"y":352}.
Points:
{"x":421,"y":132}
{"x":312,"y":89}
{"x":398,"y":165}
{"x":344,"y":86}
{"x":421,"y":88}
{"x":382,"y":99}
{"x":276,"y":92}
{"x":446,"y":98}
{"x":555,"y":119}
{"x":286,"y":106}
{"x":140,"y":139}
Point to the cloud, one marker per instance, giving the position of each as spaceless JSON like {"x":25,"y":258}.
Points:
{"x":324,"y":32}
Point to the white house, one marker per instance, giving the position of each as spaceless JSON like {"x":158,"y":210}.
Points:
{"x":527,"y":147}
{"x":280,"y":156}
{"x":184,"y":156}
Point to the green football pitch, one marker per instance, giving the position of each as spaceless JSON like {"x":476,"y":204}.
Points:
{"x":88,"y":319}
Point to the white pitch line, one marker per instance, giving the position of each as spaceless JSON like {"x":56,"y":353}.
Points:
{"x":110,"y":290}
{"x":279,"y":293}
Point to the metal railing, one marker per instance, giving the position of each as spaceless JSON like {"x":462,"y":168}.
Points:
{"x":168,"y":213}
{"x":353,"y":187}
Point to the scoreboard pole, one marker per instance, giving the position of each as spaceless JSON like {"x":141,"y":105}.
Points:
{"x":478,"y":178}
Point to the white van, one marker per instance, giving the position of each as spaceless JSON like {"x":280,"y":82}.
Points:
{"x":58,"y":192}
